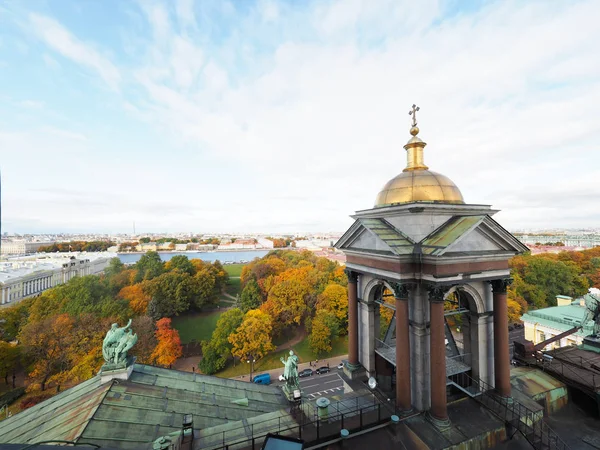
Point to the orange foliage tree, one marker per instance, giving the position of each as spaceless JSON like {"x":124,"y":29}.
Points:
{"x":137,"y":298}
{"x":168,"y":349}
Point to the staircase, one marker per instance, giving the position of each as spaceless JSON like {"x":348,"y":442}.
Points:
{"x":520,"y":418}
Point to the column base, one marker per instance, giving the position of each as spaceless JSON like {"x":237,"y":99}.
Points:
{"x":440,"y":424}
{"x":404,"y":412}
{"x":354,"y":371}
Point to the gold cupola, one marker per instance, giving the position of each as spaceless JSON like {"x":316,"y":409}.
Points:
{"x":416,"y":183}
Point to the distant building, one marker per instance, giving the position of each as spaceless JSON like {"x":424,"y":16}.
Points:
{"x":22,"y":247}
{"x":545,"y":323}
{"x":265,"y":243}
{"x":30,"y":276}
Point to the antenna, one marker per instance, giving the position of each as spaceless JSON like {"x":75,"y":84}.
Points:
{"x":372,"y":383}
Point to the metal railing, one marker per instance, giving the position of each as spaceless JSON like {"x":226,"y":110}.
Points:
{"x":550,"y":363}
{"x":529,"y":423}
{"x":464,"y":358}
{"x":353,"y":415}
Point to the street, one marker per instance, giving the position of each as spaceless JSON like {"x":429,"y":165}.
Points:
{"x":324,"y":385}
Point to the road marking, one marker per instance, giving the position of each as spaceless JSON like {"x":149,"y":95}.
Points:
{"x":312,"y":385}
{"x":332,"y":381}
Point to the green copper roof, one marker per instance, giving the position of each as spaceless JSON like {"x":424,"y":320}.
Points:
{"x":398,"y":241}
{"x":561,"y":318}
{"x":448,"y":233}
{"x":133,"y":413}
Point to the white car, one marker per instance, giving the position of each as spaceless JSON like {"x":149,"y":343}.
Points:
{"x":281,"y":377}
{"x":340,"y":365}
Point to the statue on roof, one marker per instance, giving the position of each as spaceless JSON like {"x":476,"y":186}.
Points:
{"x":290,"y":373}
{"x":117,"y":342}
{"x":592,"y":305}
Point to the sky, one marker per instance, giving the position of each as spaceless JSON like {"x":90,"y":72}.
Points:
{"x":287,"y":116}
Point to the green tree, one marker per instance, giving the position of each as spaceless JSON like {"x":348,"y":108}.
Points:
{"x":182,"y":263}
{"x":115,"y":266}
{"x":216,"y":351}
{"x":172,"y":293}
{"x":9,"y":359}
{"x":149,"y":266}
{"x":251,"y":297}
{"x":207,"y":292}
{"x":554,"y":278}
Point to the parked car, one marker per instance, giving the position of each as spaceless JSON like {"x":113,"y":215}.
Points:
{"x":281,"y":377}
{"x":306,"y":373}
{"x":264,"y":378}
{"x":340,"y":365}
{"x":323,"y":369}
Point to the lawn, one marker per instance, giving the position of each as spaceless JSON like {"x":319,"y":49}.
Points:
{"x":234,"y":270}
{"x":234,"y":286}
{"x":196,"y":326}
{"x":271,"y":361}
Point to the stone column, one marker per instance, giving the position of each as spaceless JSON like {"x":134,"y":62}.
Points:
{"x":439,"y":409}
{"x":501,"y":355}
{"x":352,"y":317}
{"x":403,"y":386}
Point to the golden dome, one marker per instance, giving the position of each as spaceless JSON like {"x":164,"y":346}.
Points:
{"x":419,"y":186}
{"x":417,"y":183}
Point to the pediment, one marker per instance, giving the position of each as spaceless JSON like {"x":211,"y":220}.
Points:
{"x":375,"y":235}
{"x":471,"y":234}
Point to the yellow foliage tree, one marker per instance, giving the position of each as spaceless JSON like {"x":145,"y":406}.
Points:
{"x":335,"y":299}
{"x":514,"y":311}
{"x":253,"y":336}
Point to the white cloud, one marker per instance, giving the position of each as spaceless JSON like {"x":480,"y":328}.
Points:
{"x":299,"y":115}
{"x":31,"y":104}
{"x":61,"y":40}
{"x":64,"y":133}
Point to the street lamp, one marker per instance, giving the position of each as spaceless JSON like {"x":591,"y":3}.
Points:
{"x":251,"y":361}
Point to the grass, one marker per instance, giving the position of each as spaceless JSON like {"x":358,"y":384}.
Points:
{"x":234,"y":270}
{"x":196,"y":326}
{"x":271,"y":361}
{"x":234,"y":286}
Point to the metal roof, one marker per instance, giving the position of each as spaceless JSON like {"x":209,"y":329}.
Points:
{"x":394,"y":238}
{"x":132,"y":413}
{"x":449,"y":233}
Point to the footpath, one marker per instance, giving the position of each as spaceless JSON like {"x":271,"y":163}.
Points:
{"x":333,"y":362}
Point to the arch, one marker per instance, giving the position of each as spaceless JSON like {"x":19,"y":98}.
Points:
{"x":370,"y":290}
{"x":476,"y":303}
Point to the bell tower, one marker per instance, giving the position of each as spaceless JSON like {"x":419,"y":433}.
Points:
{"x":418,"y":249}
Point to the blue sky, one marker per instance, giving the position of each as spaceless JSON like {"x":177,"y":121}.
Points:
{"x":288,"y":116}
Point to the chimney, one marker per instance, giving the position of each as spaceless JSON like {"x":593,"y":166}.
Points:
{"x":563,"y":300}
{"x":187,"y":432}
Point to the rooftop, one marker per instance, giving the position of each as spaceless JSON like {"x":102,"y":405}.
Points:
{"x":562,"y":318}
{"x":133,"y":413}
{"x":19,"y":266}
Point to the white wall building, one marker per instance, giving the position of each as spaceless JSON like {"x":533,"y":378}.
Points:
{"x":29,"y":276}
{"x":22,"y":247}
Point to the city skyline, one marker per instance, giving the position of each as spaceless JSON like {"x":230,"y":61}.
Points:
{"x":275,"y":116}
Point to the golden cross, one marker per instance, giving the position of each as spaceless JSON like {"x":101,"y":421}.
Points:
{"x":413,"y":113}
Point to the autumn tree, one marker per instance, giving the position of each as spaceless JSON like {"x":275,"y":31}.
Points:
{"x":144,"y":327}
{"x":253,"y":336}
{"x":335,"y":299}
{"x":325,"y":328}
{"x":46,"y":344}
{"x":137,"y":297}
{"x":168,"y":348}
{"x":13,"y":318}
{"x":216,"y":351}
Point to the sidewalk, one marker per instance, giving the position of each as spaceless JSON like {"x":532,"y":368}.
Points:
{"x":333,"y":362}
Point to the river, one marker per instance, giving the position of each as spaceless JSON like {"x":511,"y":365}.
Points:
{"x":229,"y":256}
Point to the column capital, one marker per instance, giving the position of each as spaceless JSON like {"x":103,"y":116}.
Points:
{"x":437,"y":292}
{"x":400,"y":290}
{"x":352,"y":275}
{"x":499,"y":286}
